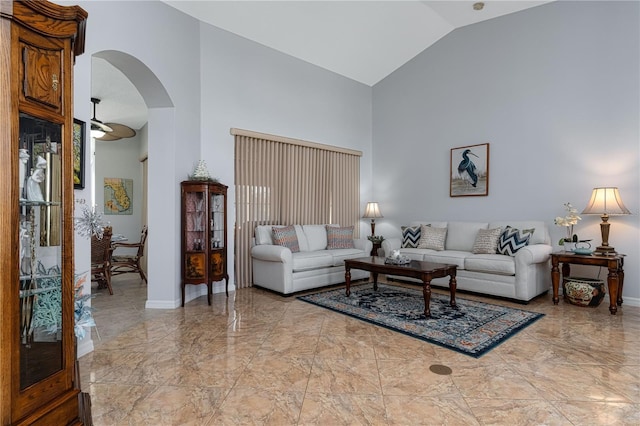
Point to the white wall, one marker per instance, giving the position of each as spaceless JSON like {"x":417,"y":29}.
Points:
{"x":208,"y":99}
{"x":172,"y":58}
{"x":553,"y":89}
{"x":120,"y":159}
{"x":249,"y":86}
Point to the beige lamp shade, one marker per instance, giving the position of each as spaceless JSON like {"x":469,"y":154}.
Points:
{"x":605,"y":201}
{"x":372,"y":211}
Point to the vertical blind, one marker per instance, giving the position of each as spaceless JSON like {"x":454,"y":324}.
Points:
{"x":284,"y":181}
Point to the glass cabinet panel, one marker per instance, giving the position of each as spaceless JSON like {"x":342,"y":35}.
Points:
{"x":40,"y":249}
{"x":217,"y":221}
{"x":196,"y":236}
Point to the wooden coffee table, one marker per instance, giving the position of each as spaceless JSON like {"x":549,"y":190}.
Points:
{"x":425,"y":271}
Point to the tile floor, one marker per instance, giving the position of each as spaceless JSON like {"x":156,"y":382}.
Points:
{"x":259,"y":358}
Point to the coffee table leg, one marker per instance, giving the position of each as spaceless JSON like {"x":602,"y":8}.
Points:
{"x":453,"y":284}
{"x":347,"y":279}
{"x":375,"y":281}
{"x":426,"y":292}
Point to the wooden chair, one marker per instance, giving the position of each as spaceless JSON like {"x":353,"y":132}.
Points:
{"x":123,"y":264}
{"x":101,"y":259}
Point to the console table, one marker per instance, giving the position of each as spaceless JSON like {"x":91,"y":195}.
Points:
{"x":614,"y":263}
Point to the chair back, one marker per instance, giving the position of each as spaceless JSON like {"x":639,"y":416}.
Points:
{"x":143,"y":241}
{"x":101,"y":248}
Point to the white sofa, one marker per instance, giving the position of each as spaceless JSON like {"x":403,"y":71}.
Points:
{"x":276,"y":268}
{"x":521,"y":277}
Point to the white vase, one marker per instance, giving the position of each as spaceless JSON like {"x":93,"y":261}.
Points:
{"x":569,"y":246}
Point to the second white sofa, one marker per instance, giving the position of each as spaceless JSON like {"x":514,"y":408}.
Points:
{"x":315,"y":264}
{"x":521,"y":276}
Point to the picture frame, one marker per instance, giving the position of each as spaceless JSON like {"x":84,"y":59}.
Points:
{"x":78,"y":153}
{"x":469,"y":171}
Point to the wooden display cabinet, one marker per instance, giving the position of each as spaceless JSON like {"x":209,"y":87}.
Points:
{"x":204,"y":235}
{"x":38,"y":44}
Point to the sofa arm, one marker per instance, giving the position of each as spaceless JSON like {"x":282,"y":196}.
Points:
{"x":535,"y":253}
{"x":363,"y":244}
{"x":391,"y":244}
{"x":271,"y":253}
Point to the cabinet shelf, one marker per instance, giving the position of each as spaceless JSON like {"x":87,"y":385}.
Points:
{"x":29,"y":203}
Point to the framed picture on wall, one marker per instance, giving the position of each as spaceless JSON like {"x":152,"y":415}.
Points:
{"x":469,"y":171}
{"x":78,"y":153}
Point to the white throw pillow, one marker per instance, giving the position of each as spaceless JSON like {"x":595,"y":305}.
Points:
{"x":486,"y":241}
{"x":432,"y":238}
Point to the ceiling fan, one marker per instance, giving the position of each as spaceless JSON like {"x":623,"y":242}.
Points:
{"x":108,"y":131}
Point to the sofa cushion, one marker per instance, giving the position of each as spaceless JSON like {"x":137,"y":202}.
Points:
{"x":307,"y":260}
{"x":316,"y":236}
{"x":491,"y":263}
{"x":450,"y":257}
{"x":263,"y":235}
{"x":432,"y":238}
{"x":415,"y":253}
{"x":410,"y":236}
{"x":512,"y":239}
{"x":486,"y":241}
{"x":340,"y":255}
{"x":339,"y":237}
{"x":286,"y":236}
{"x":462,"y":235}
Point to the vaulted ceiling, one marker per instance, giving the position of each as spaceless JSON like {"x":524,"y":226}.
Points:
{"x":361,"y":40}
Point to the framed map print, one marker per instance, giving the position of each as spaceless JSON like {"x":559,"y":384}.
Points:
{"x":118,"y":196}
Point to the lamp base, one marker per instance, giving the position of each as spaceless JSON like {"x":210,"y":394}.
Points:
{"x":605,"y":251}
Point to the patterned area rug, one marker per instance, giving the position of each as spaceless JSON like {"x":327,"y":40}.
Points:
{"x":473,"y":328}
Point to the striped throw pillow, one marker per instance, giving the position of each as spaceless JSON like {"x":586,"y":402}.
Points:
{"x":286,"y":236}
{"x":339,"y":237}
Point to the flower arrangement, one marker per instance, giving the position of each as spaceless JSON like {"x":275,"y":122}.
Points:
{"x":90,"y":223}
{"x":568,"y":221}
{"x":376,"y":239}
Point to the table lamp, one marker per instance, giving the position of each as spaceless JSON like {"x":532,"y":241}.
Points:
{"x":605,"y":201}
{"x":372,"y":211}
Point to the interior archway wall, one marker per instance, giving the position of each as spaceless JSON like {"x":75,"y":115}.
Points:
{"x":160,"y":128}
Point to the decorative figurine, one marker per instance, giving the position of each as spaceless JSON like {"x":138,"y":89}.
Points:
{"x":34,"y":192}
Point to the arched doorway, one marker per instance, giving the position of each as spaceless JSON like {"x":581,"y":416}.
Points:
{"x":151,"y":113}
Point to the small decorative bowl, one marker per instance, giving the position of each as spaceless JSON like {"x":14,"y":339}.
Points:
{"x":401,"y":260}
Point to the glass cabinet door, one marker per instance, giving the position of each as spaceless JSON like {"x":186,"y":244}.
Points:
{"x":217,"y":221}
{"x":40,"y":249}
{"x":196,"y":234}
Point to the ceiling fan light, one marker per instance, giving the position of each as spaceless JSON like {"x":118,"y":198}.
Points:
{"x":97,"y":132}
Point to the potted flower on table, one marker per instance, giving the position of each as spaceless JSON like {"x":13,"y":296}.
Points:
{"x":568,"y":221}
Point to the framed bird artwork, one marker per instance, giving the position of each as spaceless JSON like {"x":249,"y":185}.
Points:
{"x":469,"y":171}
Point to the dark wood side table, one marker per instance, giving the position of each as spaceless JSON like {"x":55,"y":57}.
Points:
{"x":374,"y":250}
{"x":614,"y":263}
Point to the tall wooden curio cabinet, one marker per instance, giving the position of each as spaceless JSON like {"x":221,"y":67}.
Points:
{"x":204,"y":234}
{"x":38,"y":43}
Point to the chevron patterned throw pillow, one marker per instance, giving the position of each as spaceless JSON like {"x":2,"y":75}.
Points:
{"x":512,"y":239}
{"x":410,"y":236}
